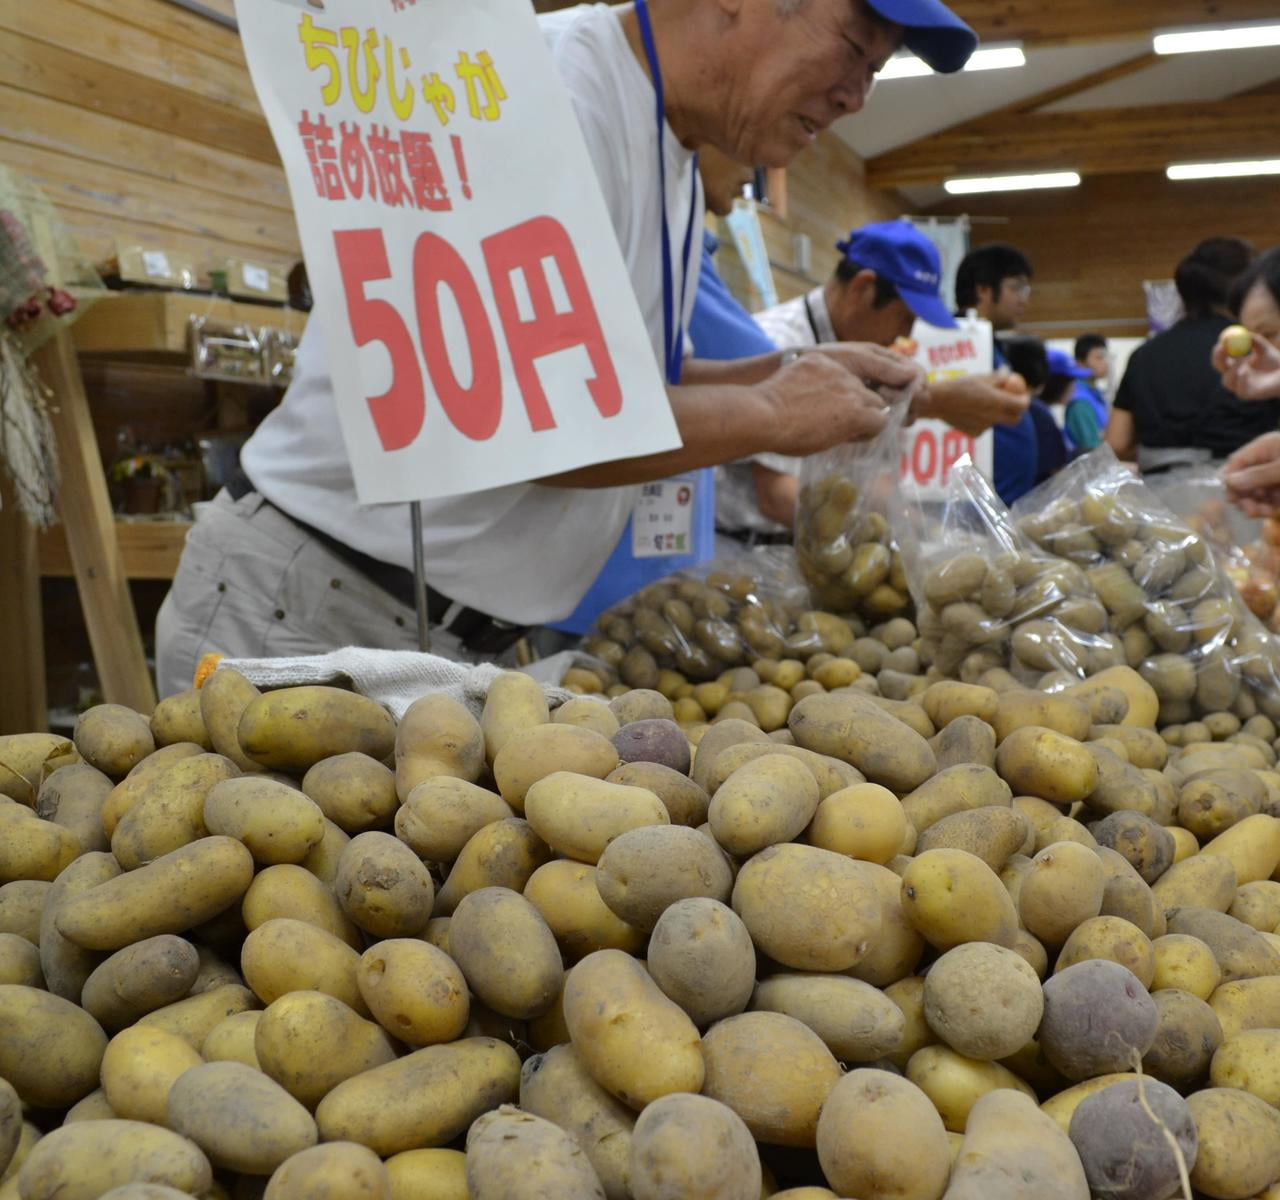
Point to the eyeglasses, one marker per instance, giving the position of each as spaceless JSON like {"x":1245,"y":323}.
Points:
{"x":1019,"y":287}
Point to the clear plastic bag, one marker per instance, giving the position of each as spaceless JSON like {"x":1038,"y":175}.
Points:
{"x":1166,"y":592}
{"x":986,"y":598}
{"x":722,"y":614}
{"x":844,"y":550}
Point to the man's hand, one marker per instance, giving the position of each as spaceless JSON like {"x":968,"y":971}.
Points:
{"x":1256,"y":376}
{"x":817,"y":403}
{"x":1252,"y":476}
{"x":876,"y":366}
{"x":974,"y":403}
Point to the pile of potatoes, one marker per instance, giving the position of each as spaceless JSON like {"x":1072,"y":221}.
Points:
{"x":795,"y":937}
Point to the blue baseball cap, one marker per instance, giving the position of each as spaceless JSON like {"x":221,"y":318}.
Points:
{"x":899,"y":252}
{"x":1061,"y":363}
{"x":933,"y":32}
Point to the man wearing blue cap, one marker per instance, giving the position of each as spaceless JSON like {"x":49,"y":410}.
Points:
{"x":889,"y":274}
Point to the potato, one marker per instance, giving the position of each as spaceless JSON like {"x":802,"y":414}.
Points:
{"x":1144,"y":703}
{"x":194,"y":1018}
{"x":947,"y":700}
{"x":139,"y":1069}
{"x":773,"y":1071}
{"x":224,"y":697}
{"x":1239,"y":1136}
{"x":506,"y":952}
{"x":442,"y":814}
{"x":1062,"y":890}
{"x":864,"y":821}
{"x":1241,"y":953}
{"x":293,"y":728}
{"x":951,"y":897}
{"x":139,"y":979}
{"x":1186,"y":963}
{"x":428,"y":1175}
{"x":1252,"y":846}
{"x":232,"y":1040}
{"x":566,"y":894}
{"x":171,"y":895}
{"x":1257,"y":905}
{"x":646,"y":870}
{"x":309,"y":1043}
{"x":169,"y":803}
{"x":74,"y":798}
{"x":241,"y":1119}
{"x":588,"y":713}
{"x":177,"y":719}
{"x":1187,"y":1034}
{"x":1036,"y":761}
{"x":383,"y":886}
{"x":1097,"y":1016}
{"x":861,"y":1145}
{"x":1247,"y":1004}
{"x":769,"y":800}
{"x":51,"y":1050}
{"x":1250,"y":1061}
{"x":278,"y":824}
{"x":1011,"y":1148}
{"x":557,"y":1087}
{"x":1114,"y":939}
{"x":994,"y":834}
{"x":512,"y":1155}
{"x":693,"y":1148}
{"x":354,"y":791}
{"x":291,"y":891}
{"x":502,"y":854}
{"x":1212,"y":804}
{"x":1123,"y":1135}
{"x":686,"y":803}
{"x":22,"y":904}
{"x":284,"y":955}
{"x":425,"y":1099}
{"x":113,"y":738}
{"x":807,"y":908}
{"x":1148,"y":847}
{"x":1200,"y":880}
{"x":31,"y":848}
{"x":856,"y":1021}
{"x":337,"y":1171}
{"x":957,"y":1000}
{"x":20,"y":961}
{"x":23,"y":754}
{"x":1022,"y":707}
{"x":852,"y":727}
{"x":725,"y":733}
{"x":957,"y":789}
{"x":964,"y":740}
{"x":635,"y":1042}
{"x":657,"y":741}
{"x":87,"y":1159}
{"x":415,"y":991}
{"x":544,"y":750}
{"x":896,"y":948}
{"x":578,"y":815}
{"x":955,"y":1083}
{"x":515,"y":702}
{"x":701,"y":957}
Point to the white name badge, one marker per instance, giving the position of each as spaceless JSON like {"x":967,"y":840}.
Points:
{"x":662,"y":520}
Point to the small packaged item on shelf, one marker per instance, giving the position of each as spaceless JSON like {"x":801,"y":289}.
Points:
{"x":226,"y":350}
{"x":152,"y":266}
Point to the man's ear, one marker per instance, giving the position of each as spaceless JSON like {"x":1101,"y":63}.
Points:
{"x":730,"y":8}
{"x":862,"y":287}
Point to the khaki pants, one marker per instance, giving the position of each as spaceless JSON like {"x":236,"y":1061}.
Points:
{"x":252,"y":584}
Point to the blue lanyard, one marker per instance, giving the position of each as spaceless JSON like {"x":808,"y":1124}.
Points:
{"x":673,"y":322}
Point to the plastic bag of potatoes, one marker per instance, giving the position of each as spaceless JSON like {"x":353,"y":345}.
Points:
{"x":1167,"y":598}
{"x":987,"y":598}
{"x":844,"y":547}
{"x":723,"y":614}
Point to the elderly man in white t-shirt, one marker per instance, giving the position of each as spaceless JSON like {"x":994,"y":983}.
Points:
{"x":291,"y":563}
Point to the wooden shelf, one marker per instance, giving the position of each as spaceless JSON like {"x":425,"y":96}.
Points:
{"x":156,"y":322}
{"x":150,"y":549}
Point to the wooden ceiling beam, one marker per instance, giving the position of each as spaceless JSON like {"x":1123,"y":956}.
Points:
{"x":1092,"y":141}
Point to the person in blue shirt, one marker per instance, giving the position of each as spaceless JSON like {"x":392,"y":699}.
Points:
{"x":995,"y":281}
{"x":1093,"y":355}
{"x":1081,"y":427}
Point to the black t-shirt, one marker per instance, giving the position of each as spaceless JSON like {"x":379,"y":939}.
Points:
{"x":1177,"y":399}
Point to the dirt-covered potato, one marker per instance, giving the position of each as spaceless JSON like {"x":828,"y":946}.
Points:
{"x":686,"y":802}
{"x":1148,"y":847}
{"x":513,"y":1155}
{"x":857,"y":1022}
{"x":1114,"y":939}
{"x":51,"y":1051}
{"x":693,"y":1148}
{"x":383,"y":886}
{"x":964,"y":740}
{"x":951,"y":897}
{"x":1187,"y":1036}
{"x":957,"y":992}
{"x":958,"y":789}
{"x":861,"y":1145}
{"x":1250,"y":1061}
{"x":506,"y":952}
{"x":993,"y":833}
{"x":1123,"y":1135}
{"x":1239,"y":1153}
{"x":356,"y":792}
{"x":1097,"y":1016}
{"x":503,"y":853}
{"x":646,"y":870}
{"x":336,"y":1171}
{"x":1036,"y":761}
{"x":140,"y":978}
{"x":74,"y":798}
{"x":701,"y":956}
{"x":1239,"y":950}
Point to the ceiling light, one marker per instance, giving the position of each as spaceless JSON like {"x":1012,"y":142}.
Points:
{"x":1239,"y":37}
{"x":1012,"y":183}
{"x":1224,"y":170}
{"x":990,"y":58}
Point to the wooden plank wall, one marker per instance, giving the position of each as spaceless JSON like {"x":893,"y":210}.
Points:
{"x":139,"y":121}
{"x":1092,"y":246}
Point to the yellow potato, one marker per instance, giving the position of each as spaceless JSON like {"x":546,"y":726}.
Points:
{"x":951,"y":897}
{"x":322,"y":862}
{"x":1063,"y":889}
{"x":896,"y":948}
{"x":1247,"y":1004}
{"x":415,"y":991}
{"x":177,"y":719}
{"x":383,"y":886}
{"x":1020,"y":707}
{"x":23,"y":755}
{"x":289,"y":890}
{"x":293,"y":728}
{"x":195,"y":1017}
{"x":768,"y":800}
{"x":1202,"y":881}
{"x":694,"y":1147}
{"x":309,"y":1043}
{"x":74,"y":797}
{"x":224,"y":696}
{"x":31,"y":848}
{"x":685,"y":801}
{"x":232,"y":1040}
{"x":337,"y":1171}
{"x":502,"y":854}
{"x":51,"y":1050}
{"x":278,"y":824}
{"x":865,"y":821}
{"x":22,"y":902}
{"x":93,"y":1107}
{"x":1144,"y":704}
{"x":587,"y":713}
{"x":1186,"y":963}
{"x":139,"y":979}
{"x":856,"y":1021}
{"x":1185,"y":843}
{"x":533,"y":754}
{"x":1252,"y":846}
{"x":1111,"y":938}
{"x":515,"y":703}
{"x":1239,"y":1151}
{"x":428,"y":1175}
{"x":644,"y":871}
{"x":511,"y":1153}
{"x":354,"y":791}
{"x":20,"y":961}
{"x":579,"y":815}
{"x":958,"y":789}
{"x":1035,"y":761}
{"x":993,"y":833}
{"x":284,"y":955}
{"x":113,"y":738}
{"x":830,"y":773}
{"x":425,"y":1099}
{"x":565,"y":893}
{"x":1250,"y":1061}
{"x":139,"y":1069}
{"x":442,"y":814}
{"x":635,"y":1042}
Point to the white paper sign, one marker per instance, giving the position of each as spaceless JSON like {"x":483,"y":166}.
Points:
{"x":479,"y":321}
{"x":257,"y":278}
{"x":662,"y":520}
{"x":933,"y":447}
{"x":156,"y":263}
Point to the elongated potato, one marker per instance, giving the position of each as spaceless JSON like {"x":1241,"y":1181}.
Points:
{"x":635,"y":1042}
{"x":87,"y":1159}
{"x":1250,"y":1061}
{"x":543,"y":750}
{"x":140,"y":1067}
{"x":293,"y":728}
{"x":502,"y":854}
{"x":513,"y":1155}
{"x":896,"y":948}
{"x":693,"y":1148}
{"x":416,"y":992}
{"x":957,"y":789}
{"x":196,"y":1016}
{"x":31,"y":848}
{"x":1252,"y":846}
{"x":383,"y":886}
{"x":170,"y":790}
{"x":354,"y":791}
{"x":852,"y":727}
{"x":424,"y":1099}
{"x":515,"y":703}
{"x":337,"y":1171}
{"x":64,"y":965}
{"x":309,"y":1043}
{"x":685,"y":801}
{"x":1241,"y":952}
{"x":566,"y":894}
{"x":278,"y":823}
{"x":1021,"y":707}
{"x":644,"y":871}
{"x":994,"y":833}
{"x":506,"y":951}
{"x":951,"y":897}
{"x":51,"y":1050}
{"x":831,"y":774}
{"x":442,"y":814}
{"x":289,"y":890}
{"x":140,"y":978}
{"x":955,"y":1083}
{"x":856,"y":1021}
{"x":283,"y":956}
{"x":224,"y":696}
{"x":1239,"y":1136}
{"x":1040,"y":762}
{"x":578,"y":815}
{"x":1247,"y":1004}
{"x":171,"y":895}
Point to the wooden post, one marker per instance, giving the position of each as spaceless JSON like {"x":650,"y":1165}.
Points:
{"x":24,"y":704}
{"x":91,"y":534}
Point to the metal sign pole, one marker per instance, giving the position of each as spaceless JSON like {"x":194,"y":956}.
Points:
{"x":419,"y":576}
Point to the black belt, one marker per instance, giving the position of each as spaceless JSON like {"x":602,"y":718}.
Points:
{"x":477,"y":631}
{"x":756,"y":537}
